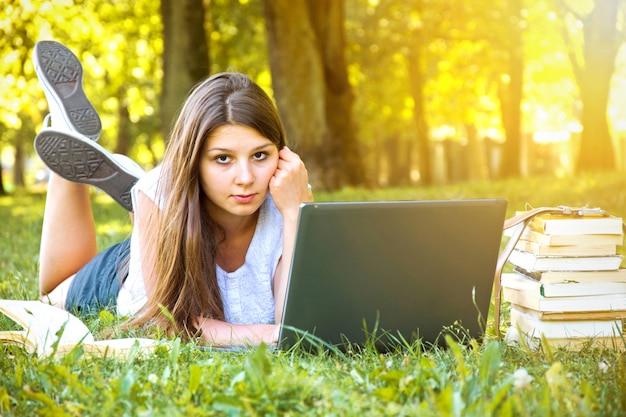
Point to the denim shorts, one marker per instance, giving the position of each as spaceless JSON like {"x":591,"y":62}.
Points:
{"x":96,"y":285}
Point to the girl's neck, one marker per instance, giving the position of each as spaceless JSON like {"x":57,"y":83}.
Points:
{"x":234,"y":226}
{"x":234,"y":244}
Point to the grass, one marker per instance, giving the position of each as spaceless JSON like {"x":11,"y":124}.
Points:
{"x":471,"y":379}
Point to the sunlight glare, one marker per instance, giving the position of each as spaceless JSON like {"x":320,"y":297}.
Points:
{"x":550,"y":137}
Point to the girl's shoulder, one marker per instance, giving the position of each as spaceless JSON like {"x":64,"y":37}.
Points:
{"x":147,"y":184}
{"x":151,"y":177}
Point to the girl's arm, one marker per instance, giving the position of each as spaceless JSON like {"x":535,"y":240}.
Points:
{"x":289,"y":188}
{"x":221,"y":334}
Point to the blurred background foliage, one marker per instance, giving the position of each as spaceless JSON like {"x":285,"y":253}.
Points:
{"x":372,"y":92}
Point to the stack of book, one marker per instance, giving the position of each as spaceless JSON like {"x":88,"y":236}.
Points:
{"x":567,"y":287}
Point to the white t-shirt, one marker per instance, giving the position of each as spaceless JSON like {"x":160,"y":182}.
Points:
{"x":247,"y":293}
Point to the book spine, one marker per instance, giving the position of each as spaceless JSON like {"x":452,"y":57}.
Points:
{"x":562,"y":289}
{"x":618,"y":275}
{"x":535,"y":263}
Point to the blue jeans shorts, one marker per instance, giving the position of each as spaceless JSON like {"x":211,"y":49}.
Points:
{"x":97,"y":284}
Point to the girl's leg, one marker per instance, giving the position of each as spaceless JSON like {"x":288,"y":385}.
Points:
{"x":68,"y":238}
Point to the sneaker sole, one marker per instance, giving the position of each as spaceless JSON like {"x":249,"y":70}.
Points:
{"x":84,"y":161}
{"x":61,"y":75}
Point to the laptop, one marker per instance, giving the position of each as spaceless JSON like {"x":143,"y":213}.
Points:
{"x":391,"y":272}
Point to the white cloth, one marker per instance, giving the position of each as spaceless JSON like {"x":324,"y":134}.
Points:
{"x":247,"y":293}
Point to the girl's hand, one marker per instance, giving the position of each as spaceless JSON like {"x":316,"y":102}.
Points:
{"x":289,"y":186}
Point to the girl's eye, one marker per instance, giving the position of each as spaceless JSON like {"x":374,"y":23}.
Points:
{"x":259,"y":156}
{"x":222,"y":159}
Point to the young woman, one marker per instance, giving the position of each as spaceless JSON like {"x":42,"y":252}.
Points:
{"x":214,"y":224}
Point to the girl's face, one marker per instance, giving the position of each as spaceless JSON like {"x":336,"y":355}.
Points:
{"x":235,"y":170}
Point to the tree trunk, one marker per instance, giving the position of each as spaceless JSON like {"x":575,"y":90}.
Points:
{"x":185,"y":55}
{"x":510,"y":93}
{"x":417,"y":80}
{"x":18,"y":166}
{"x":342,"y":153}
{"x":298,"y":82}
{"x":476,"y":163}
{"x":124,"y":126}
{"x":399,"y":161}
{"x":2,"y":190}
{"x":600,"y":49}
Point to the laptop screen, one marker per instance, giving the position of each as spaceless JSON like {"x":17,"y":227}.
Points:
{"x":390,"y":271}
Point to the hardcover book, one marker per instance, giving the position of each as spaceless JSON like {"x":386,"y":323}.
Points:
{"x":559,"y":224}
{"x":566,"y":250}
{"x":569,"y":343}
{"x":566,"y":240}
{"x":562,"y":289}
{"x":535,"y":301}
{"x":572,"y":315}
{"x":565,"y":329}
{"x":617,"y":275}
{"x":532,"y":263}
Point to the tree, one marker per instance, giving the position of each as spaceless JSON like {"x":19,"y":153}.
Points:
{"x":389,"y":69}
{"x":17,"y":113}
{"x":511,"y":86}
{"x":460,"y":87}
{"x":238,"y":39}
{"x":185,"y":54}
{"x":125,"y":72}
{"x":314,"y":98}
{"x":297,"y":79}
{"x":439,"y":63}
{"x":593,"y":69}
{"x":417,"y":83}
{"x":416,"y":57}
{"x":343,"y":164}
{"x":120,"y":59}
{"x":2,"y":190}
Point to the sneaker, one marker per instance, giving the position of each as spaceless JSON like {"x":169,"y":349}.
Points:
{"x":47,"y":123}
{"x":79,"y":159}
{"x":61,"y":76}
{"x":129,"y":165}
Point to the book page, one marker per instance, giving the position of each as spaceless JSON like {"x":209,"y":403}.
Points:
{"x":113,"y":348}
{"x":19,"y":338}
{"x":42,"y":322}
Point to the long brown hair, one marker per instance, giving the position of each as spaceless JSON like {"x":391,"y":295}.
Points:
{"x":185,"y":234}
